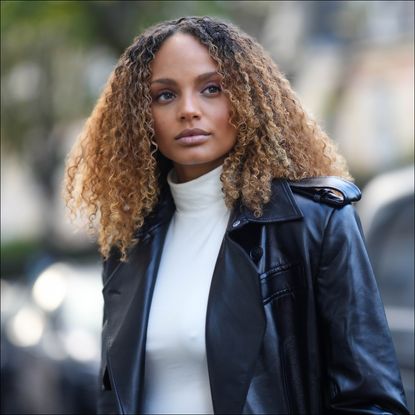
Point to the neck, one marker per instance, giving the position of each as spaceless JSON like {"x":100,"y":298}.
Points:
{"x":186,"y":173}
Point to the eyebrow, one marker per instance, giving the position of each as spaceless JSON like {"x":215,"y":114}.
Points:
{"x":199,"y":78}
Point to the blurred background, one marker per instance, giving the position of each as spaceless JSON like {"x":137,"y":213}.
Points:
{"x":351,"y":63}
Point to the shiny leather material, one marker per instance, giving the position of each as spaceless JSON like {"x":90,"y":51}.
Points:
{"x":330,"y":189}
{"x":294,"y":324}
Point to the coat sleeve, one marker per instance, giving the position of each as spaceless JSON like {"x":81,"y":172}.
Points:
{"x":360,"y":362}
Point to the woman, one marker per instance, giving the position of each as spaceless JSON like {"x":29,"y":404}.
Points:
{"x":236,"y":279}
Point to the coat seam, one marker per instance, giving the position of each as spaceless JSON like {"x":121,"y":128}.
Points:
{"x":323,"y":242}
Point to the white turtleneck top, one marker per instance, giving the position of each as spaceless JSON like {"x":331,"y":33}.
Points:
{"x":176,"y":374}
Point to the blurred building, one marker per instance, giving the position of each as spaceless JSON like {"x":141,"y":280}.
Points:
{"x":350,"y":62}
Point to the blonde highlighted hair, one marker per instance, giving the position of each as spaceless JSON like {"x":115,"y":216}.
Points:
{"x":114,"y":170}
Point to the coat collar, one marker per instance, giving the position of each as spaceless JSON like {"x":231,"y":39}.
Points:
{"x":235,"y":321}
{"x":280,"y":208}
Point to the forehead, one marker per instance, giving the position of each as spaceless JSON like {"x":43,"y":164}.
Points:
{"x":182,"y":55}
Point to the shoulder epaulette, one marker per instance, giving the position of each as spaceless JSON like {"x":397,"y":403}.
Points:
{"x":332,"y":190}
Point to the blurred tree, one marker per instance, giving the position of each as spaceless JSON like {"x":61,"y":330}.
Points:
{"x":35,"y":35}
{"x":50,"y":51}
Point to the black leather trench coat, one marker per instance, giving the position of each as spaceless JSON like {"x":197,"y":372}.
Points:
{"x":294,"y":324}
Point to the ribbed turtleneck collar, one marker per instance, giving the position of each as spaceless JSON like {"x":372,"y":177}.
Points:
{"x":200,"y":195}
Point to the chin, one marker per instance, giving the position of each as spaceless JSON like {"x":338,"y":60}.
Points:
{"x":194,"y":161}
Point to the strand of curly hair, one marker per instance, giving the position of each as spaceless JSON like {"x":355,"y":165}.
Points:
{"x":113,"y":174}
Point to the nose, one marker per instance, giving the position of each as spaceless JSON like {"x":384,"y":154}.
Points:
{"x":189,"y":108}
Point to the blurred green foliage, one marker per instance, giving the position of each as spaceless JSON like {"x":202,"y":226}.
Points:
{"x":40,"y":34}
{"x":46,"y":46}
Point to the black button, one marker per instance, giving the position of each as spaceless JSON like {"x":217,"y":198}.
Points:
{"x":256,"y":253}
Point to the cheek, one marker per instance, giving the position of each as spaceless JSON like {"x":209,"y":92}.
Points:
{"x":159,"y":123}
{"x":221,"y":115}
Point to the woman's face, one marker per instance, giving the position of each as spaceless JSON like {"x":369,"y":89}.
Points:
{"x":190,"y":111}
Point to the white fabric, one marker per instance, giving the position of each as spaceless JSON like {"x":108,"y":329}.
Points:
{"x":176,"y":374}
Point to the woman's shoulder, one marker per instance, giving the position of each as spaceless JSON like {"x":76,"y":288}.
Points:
{"x":330,"y":190}
{"x":312,"y":199}
{"x":317,"y":200}
{"x":326,"y":204}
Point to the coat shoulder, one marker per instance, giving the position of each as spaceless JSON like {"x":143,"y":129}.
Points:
{"x":330,"y":190}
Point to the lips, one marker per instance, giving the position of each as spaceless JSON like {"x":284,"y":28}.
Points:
{"x":192,"y":137}
{"x":191,"y":133}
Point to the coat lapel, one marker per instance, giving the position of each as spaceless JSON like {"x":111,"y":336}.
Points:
{"x":235,"y":326}
{"x":235,"y":321}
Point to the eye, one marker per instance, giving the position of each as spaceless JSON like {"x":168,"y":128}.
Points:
{"x":165,"y":96}
{"x":212,"y":90}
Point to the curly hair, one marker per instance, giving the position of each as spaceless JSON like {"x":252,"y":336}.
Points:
{"x":114,"y":171}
